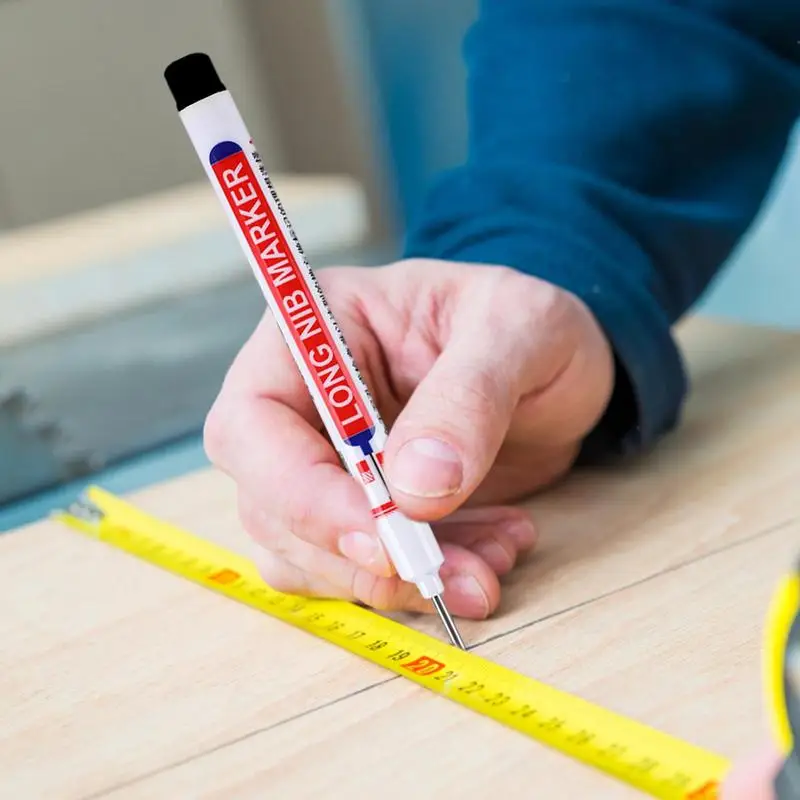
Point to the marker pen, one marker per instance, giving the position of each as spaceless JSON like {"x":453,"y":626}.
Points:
{"x":242,"y":185}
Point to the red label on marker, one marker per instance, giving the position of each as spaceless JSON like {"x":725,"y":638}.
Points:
{"x":384,"y":510}
{"x":298,"y":306}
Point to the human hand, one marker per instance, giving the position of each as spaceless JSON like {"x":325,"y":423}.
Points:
{"x":488,"y":380}
{"x":752,"y":778}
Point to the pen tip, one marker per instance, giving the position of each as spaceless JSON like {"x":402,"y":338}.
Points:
{"x":448,"y":622}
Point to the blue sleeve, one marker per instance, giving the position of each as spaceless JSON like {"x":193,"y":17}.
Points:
{"x":619,"y":149}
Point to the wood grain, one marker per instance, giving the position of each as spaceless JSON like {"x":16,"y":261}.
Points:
{"x":647,"y":595}
{"x":641,"y":651}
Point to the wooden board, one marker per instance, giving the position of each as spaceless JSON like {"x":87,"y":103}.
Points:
{"x":646,"y":595}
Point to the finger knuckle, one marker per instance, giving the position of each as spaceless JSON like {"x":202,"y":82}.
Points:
{"x":506,"y":277}
{"x":300,"y":510}
{"x":374,"y":591}
{"x":476,"y":396}
{"x":469,"y":401}
{"x":422,"y":266}
{"x":262,"y":529}
{"x":554,"y":310}
{"x":553,"y":313}
{"x":531,"y":298}
{"x":278,"y":575}
{"x":215,"y":432}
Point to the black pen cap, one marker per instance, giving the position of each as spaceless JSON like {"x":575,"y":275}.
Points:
{"x":192,"y":78}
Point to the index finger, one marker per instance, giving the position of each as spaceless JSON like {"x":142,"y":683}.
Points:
{"x":264,"y":432}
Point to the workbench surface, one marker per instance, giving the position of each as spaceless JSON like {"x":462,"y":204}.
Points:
{"x":647,"y":595}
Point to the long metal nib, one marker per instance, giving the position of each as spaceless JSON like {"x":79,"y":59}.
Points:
{"x":447,"y":621}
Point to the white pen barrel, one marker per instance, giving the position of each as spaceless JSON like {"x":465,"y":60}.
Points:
{"x":414,"y":551}
{"x":280,"y":267}
{"x":226,"y":151}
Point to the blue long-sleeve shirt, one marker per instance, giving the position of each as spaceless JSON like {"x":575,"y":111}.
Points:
{"x":620,"y":149}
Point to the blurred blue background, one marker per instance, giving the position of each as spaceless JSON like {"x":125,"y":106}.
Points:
{"x":414,"y":50}
{"x":402,"y":67}
{"x":422,"y":102}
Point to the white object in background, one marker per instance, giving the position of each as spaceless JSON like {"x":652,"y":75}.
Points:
{"x":62,"y":273}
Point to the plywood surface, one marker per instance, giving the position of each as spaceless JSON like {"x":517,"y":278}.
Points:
{"x":646,"y":595}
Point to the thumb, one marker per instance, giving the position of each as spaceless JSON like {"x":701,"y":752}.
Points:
{"x":447,"y":437}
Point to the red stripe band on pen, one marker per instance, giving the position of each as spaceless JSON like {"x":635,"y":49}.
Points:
{"x":384,"y":510}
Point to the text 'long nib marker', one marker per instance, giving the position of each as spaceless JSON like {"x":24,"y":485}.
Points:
{"x":243,"y":187}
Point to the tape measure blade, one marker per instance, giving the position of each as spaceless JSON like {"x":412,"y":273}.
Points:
{"x":657,"y":764}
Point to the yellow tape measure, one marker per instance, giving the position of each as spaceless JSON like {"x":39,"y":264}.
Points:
{"x":658,"y":764}
{"x":782,"y":674}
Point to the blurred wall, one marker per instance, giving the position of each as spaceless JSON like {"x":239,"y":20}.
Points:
{"x":87,"y":118}
{"x":415,"y":54}
{"x":761,"y":282}
{"x":323,"y":96}
{"x":371,"y":90}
